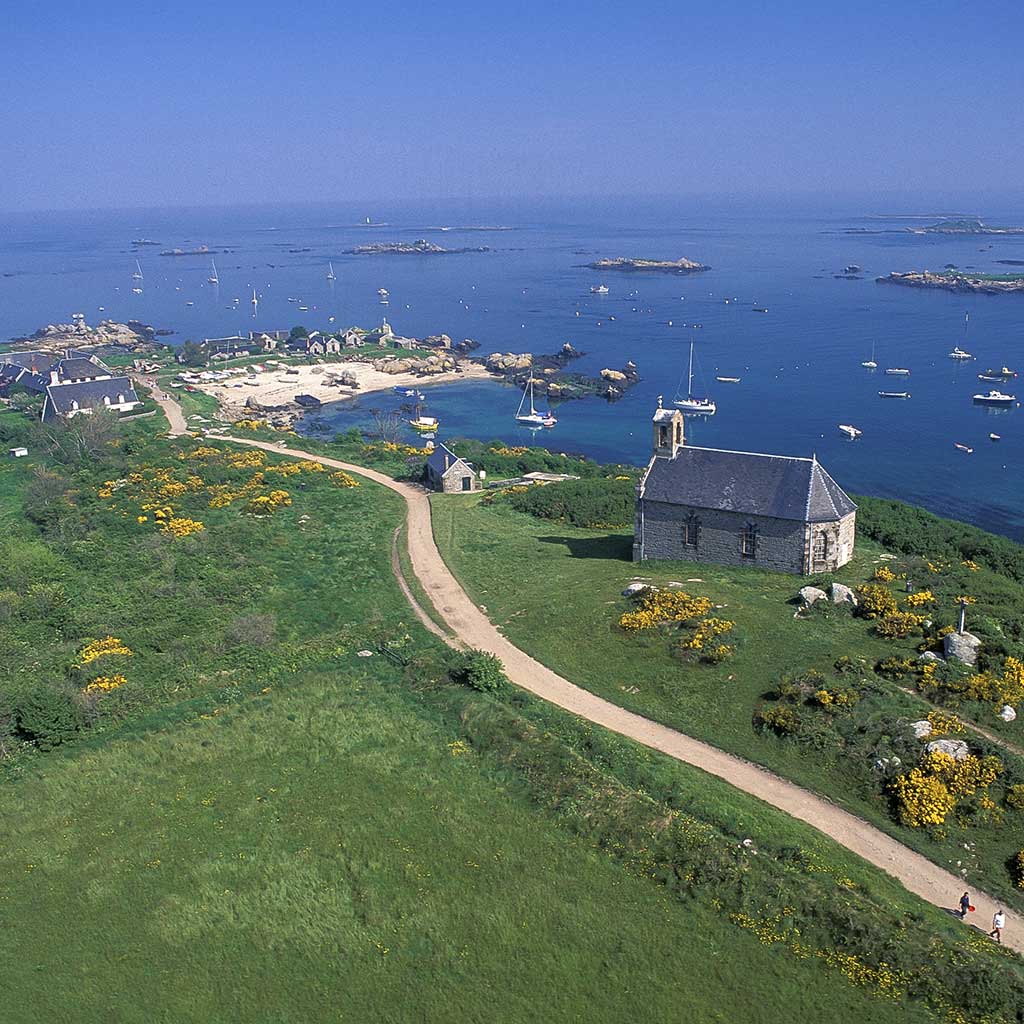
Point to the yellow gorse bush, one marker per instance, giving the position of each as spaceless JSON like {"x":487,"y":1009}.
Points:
{"x":182,"y":526}
{"x":250,"y":424}
{"x":343,"y":479}
{"x":884,"y":574}
{"x":928,"y":794}
{"x":104,"y":684}
{"x":705,"y":633}
{"x":922,"y":597}
{"x":943,"y":723}
{"x":660,"y":607}
{"x":101,"y":648}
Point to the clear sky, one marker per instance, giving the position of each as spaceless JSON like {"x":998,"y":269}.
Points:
{"x":110,"y":104}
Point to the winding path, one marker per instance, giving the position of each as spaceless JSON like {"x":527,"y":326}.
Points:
{"x":471,"y":627}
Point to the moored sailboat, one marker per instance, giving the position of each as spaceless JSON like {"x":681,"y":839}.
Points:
{"x":533,"y":418}
{"x":696,"y":406}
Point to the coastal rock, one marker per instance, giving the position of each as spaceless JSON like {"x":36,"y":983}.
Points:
{"x":808,"y":595}
{"x":956,"y":749}
{"x":421,"y":247}
{"x":437,"y":341}
{"x":635,"y":588}
{"x":502,"y":362}
{"x":1008,"y":714}
{"x":842,"y":594}
{"x":921,"y":729}
{"x":928,"y":656}
{"x":679,"y":266}
{"x":394,"y":365}
{"x":961,"y":646}
{"x":613,"y":375}
{"x":955,"y":281}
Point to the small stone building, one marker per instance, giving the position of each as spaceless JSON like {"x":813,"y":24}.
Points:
{"x":739,"y":508}
{"x":448,"y":473}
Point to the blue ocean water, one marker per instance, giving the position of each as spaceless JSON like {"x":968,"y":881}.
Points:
{"x":799,"y":361}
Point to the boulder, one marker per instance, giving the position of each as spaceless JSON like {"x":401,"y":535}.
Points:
{"x":957,"y":749}
{"x":1008,"y":714}
{"x":502,"y":362}
{"x":921,"y":729}
{"x":928,"y":656}
{"x":808,"y":595}
{"x":842,"y":594}
{"x":961,"y":646}
{"x":633,"y":589}
{"x":613,"y":375}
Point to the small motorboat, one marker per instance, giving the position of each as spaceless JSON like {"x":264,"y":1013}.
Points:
{"x":995,"y":437}
{"x":893,"y":394}
{"x":408,"y":393}
{"x":963,"y":448}
{"x":898,"y":371}
{"x":728,"y":380}
{"x":599,"y":289}
{"x":425,"y":423}
{"x":992,"y":378}
{"x":959,"y":354}
{"x":1000,"y":374}
{"x":851,"y":432}
{"x":995,"y":398}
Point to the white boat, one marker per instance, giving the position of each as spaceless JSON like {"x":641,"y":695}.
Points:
{"x":995,"y":437}
{"x":696,"y":406}
{"x":599,"y":289}
{"x":213,"y":278}
{"x":959,"y":354}
{"x":893,"y":394}
{"x":533,"y":418}
{"x":136,"y":290}
{"x":1001,"y":374}
{"x":728,"y":380}
{"x":870,"y":364}
{"x":421,"y":423}
{"x":963,"y":448}
{"x":383,"y":293}
{"x":137,"y":276}
{"x":897,"y":371}
{"x":255,"y":303}
{"x":330,"y":271}
{"x":851,"y":432}
{"x":995,"y":398}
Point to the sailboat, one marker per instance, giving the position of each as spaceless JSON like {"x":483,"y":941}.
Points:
{"x":870,"y":364}
{"x":330,"y":271}
{"x":701,"y":406}
{"x":428,"y":424}
{"x":213,"y":278}
{"x":137,"y":276}
{"x":255,"y":303}
{"x":533,"y":418}
{"x":958,"y":353}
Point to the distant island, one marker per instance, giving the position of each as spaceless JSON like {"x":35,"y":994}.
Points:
{"x":201,"y":250}
{"x":420,"y":247}
{"x":679,"y":266}
{"x":958,"y":226}
{"x":956,"y":281}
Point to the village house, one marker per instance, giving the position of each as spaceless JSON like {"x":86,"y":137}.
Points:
{"x":739,"y":508}
{"x":448,"y":473}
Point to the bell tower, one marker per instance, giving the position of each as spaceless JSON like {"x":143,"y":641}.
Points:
{"x":669,"y":435}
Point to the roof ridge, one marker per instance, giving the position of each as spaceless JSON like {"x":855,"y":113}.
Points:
{"x":828,"y":493}
{"x":736,"y":451}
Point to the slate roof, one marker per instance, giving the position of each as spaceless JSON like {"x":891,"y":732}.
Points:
{"x":77,"y":368}
{"x":778,"y":486}
{"x":60,"y":398}
{"x":436,"y":460}
{"x":35,"y":362}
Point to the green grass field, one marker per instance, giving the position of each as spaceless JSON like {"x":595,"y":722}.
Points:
{"x":289,"y":832}
{"x":545,"y":583}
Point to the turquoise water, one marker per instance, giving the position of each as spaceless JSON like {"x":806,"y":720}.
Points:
{"x":799,"y":362}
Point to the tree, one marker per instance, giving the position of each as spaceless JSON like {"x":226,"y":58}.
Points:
{"x":83,"y":438}
{"x":192,"y":354}
{"x":387,"y":425}
{"x":298,"y":331}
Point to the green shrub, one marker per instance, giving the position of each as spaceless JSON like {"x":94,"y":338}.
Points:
{"x":1015,"y":797}
{"x":478,"y":670}
{"x":594,"y":504}
{"x":783,"y":719}
{"x":846,"y":665}
{"x":47,"y":716}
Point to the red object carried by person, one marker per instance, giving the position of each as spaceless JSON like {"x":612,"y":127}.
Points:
{"x":971,"y":909}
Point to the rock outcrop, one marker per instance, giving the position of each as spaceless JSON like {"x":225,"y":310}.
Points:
{"x":809,"y":595}
{"x":679,"y":266}
{"x":956,"y":749}
{"x":1008,"y":714}
{"x":842,"y":594}
{"x":962,"y":647}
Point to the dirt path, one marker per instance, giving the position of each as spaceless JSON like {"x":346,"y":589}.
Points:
{"x":170,"y":407}
{"x":472,"y":627}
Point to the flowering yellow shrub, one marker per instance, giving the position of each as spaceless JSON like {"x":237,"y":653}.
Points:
{"x":884,"y":574}
{"x":1018,"y":869}
{"x":343,"y":479}
{"x":250,"y":424}
{"x":182,"y":527}
{"x":943,"y":723}
{"x":875,"y":601}
{"x":204,"y":452}
{"x":309,"y":466}
{"x":101,"y":648}
{"x":705,"y":633}
{"x":897,"y":625}
{"x":268,"y":504}
{"x":285,"y":469}
{"x":836,"y":698}
{"x":962,"y":778}
{"x":969,"y":563}
{"x":922,"y":799}
{"x":657,"y":608}
{"x":921,"y":598}
{"x":502,"y":450}
{"x":142,"y":519}
{"x":252,"y":458}
{"x":1015,"y":797}
{"x":104,"y":684}
{"x":1005,"y":689}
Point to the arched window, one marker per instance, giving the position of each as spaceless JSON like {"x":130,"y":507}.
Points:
{"x":691,"y":530}
{"x":821,"y":548}
{"x":748,"y":541}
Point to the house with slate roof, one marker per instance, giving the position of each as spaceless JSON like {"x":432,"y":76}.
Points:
{"x":447,"y":472}
{"x":739,"y":508}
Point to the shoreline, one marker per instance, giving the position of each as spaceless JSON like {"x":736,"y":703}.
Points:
{"x":275,"y":390}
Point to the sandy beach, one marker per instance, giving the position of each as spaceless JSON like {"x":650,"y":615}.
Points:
{"x":277,"y":387}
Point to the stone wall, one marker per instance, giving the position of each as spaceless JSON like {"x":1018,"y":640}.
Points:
{"x":841,"y":537}
{"x":452,"y":481}
{"x":780,"y":543}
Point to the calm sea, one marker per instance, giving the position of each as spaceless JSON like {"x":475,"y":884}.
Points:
{"x":799,"y":361}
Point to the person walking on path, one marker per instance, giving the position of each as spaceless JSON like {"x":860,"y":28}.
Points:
{"x":965,"y":905}
{"x":998,"y":924}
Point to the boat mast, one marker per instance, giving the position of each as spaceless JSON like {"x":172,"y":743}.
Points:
{"x":689,"y":379}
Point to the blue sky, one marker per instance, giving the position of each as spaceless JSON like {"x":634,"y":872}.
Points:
{"x":117,"y":104}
